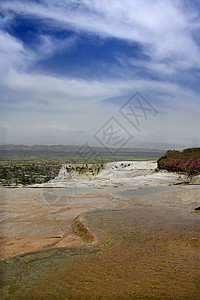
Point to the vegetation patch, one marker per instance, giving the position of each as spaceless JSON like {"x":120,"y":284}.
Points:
{"x":186,"y":161}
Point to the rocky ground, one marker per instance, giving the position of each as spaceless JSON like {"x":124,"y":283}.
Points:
{"x":34,"y":219}
{"x":142,"y":173}
{"x":44,"y":217}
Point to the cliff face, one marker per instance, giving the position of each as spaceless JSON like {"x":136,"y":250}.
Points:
{"x":129,"y":173}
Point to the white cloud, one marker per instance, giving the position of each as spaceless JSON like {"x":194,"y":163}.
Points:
{"x":47,"y":46}
{"x":164,"y":28}
{"x":11,"y":50}
{"x":42,"y":100}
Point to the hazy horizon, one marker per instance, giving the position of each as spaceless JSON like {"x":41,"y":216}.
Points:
{"x":53,"y":136}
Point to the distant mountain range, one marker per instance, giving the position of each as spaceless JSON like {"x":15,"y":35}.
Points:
{"x":76,"y":152}
{"x":53,"y":136}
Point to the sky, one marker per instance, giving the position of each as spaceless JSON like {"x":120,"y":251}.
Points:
{"x":72,"y":65}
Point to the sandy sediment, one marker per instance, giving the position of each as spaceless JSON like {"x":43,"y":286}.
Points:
{"x":33,"y":219}
{"x":29,"y":223}
{"x":148,"y":250}
{"x":82,"y":229}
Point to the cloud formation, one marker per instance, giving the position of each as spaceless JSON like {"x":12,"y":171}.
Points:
{"x":164,"y":28}
{"x":165,"y":32}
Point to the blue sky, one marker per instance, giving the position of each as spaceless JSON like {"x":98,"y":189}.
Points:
{"x":71,"y":64}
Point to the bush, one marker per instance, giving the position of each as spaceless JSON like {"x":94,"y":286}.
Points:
{"x":192,"y":167}
{"x":187,"y":161}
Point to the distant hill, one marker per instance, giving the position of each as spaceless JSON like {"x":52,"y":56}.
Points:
{"x":55,"y":136}
{"x":59,"y":151}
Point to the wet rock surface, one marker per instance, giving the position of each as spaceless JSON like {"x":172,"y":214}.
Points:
{"x":195,"y":180}
{"x":148,"y":247}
